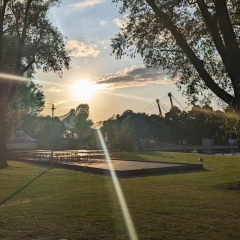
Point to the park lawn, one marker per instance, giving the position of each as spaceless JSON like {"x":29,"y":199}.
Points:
{"x":37,"y":203}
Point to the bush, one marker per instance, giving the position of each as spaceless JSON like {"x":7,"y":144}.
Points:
{"x":123,"y":142}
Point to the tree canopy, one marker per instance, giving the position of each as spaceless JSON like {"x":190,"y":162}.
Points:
{"x":126,"y":131}
{"x":197,"y":41}
{"x":82,"y":124}
{"x":28,"y":42}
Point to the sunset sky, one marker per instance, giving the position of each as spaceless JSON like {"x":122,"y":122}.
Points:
{"x":89,"y":26}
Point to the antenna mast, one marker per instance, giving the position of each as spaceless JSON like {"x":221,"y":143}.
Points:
{"x":170,"y":96}
{"x":159,"y":108}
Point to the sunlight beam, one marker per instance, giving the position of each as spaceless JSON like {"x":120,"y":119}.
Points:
{"x":24,"y":79}
{"x":220,"y":114}
{"x":13,"y":77}
{"x":118,"y":189}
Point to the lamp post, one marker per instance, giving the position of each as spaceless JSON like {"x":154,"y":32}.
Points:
{"x":53,"y":107}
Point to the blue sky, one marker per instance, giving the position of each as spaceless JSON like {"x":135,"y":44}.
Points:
{"x":89,"y":26}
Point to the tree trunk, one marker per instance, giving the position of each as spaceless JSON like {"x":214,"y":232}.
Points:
{"x":3,"y":133}
{"x":3,"y":123}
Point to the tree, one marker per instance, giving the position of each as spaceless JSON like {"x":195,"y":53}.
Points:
{"x":110,"y":129}
{"x":28,"y":42}
{"x":126,"y":113}
{"x":82,"y":123}
{"x":157,"y":127}
{"x":196,"y":40}
{"x":230,"y":122}
{"x":29,"y":100}
{"x":83,"y":110}
{"x":136,"y":124}
{"x":47,"y":124}
{"x":41,"y":127}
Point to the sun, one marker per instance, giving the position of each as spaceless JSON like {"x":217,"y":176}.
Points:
{"x":85,"y":89}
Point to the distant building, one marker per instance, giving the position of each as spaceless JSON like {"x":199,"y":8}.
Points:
{"x":69,"y":120}
{"x":21,"y":141}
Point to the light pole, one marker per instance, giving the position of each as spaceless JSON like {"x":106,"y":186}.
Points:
{"x":53,"y":107}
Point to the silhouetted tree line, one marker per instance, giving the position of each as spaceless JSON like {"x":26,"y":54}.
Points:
{"x":131,"y":131}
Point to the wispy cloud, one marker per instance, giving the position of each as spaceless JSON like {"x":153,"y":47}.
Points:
{"x":104,"y":41}
{"x":85,"y":3}
{"x":53,"y":90}
{"x":136,"y":76}
{"x":121,"y":22}
{"x":80,"y":49}
{"x":103,"y":22}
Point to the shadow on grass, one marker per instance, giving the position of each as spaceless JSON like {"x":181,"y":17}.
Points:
{"x":230,"y":186}
{"x":165,"y":174}
{"x":26,"y":185}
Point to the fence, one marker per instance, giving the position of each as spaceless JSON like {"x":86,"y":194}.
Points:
{"x":61,"y":157}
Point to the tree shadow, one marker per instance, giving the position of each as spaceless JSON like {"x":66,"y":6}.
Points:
{"x":26,"y":185}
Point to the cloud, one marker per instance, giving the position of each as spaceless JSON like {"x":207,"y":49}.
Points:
{"x":53,"y":90}
{"x":85,"y":3}
{"x":103,"y":22}
{"x":80,"y":49}
{"x":136,"y":76}
{"x":119,"y":22}
{"x":104,"y":41}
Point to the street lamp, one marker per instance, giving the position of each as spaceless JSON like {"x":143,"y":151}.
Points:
{"x":53,"y":106}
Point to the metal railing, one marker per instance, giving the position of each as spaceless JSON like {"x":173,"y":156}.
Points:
{"x":61,"y":157}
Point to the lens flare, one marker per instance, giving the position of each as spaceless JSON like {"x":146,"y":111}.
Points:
{"x":85,"y":89}
{"x":127,"y":217}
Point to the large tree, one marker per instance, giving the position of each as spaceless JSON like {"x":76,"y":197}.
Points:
{"x":40,"y":128}
{"x":198,"y":41}
{"x":28,"y":42}
{"x":82,"y":124}
{"x":29,"y":100}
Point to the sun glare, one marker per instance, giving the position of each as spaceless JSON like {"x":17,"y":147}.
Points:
{"x":85,"y":89}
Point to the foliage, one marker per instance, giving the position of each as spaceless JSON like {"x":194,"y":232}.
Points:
{"x":82,"y":124}
{"x":123,"y":142}
{"x":135,"y":124}
{"x":35,"y":42}
{"x":42,"y":128}
{"x":196,"y":41}
{"x":28,"y":41}
{"x":192,"y":126}
{"x":83,"y":110}
{"x":29,"y":100}
{"x":231,"y":121}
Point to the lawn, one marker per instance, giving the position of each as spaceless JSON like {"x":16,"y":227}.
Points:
{"x":38,"y":203}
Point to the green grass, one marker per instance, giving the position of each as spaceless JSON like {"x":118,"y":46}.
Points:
{"x":65,"y":204}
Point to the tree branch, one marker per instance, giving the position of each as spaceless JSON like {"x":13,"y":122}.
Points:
{"x":27,"y":67}
{"x":213,"y":28}
{"x":197,"y":63}
{"x":231,"y":43}
{"x":22,"y":38}
{"x":225,"y":24}
{"x":2,"y":17}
